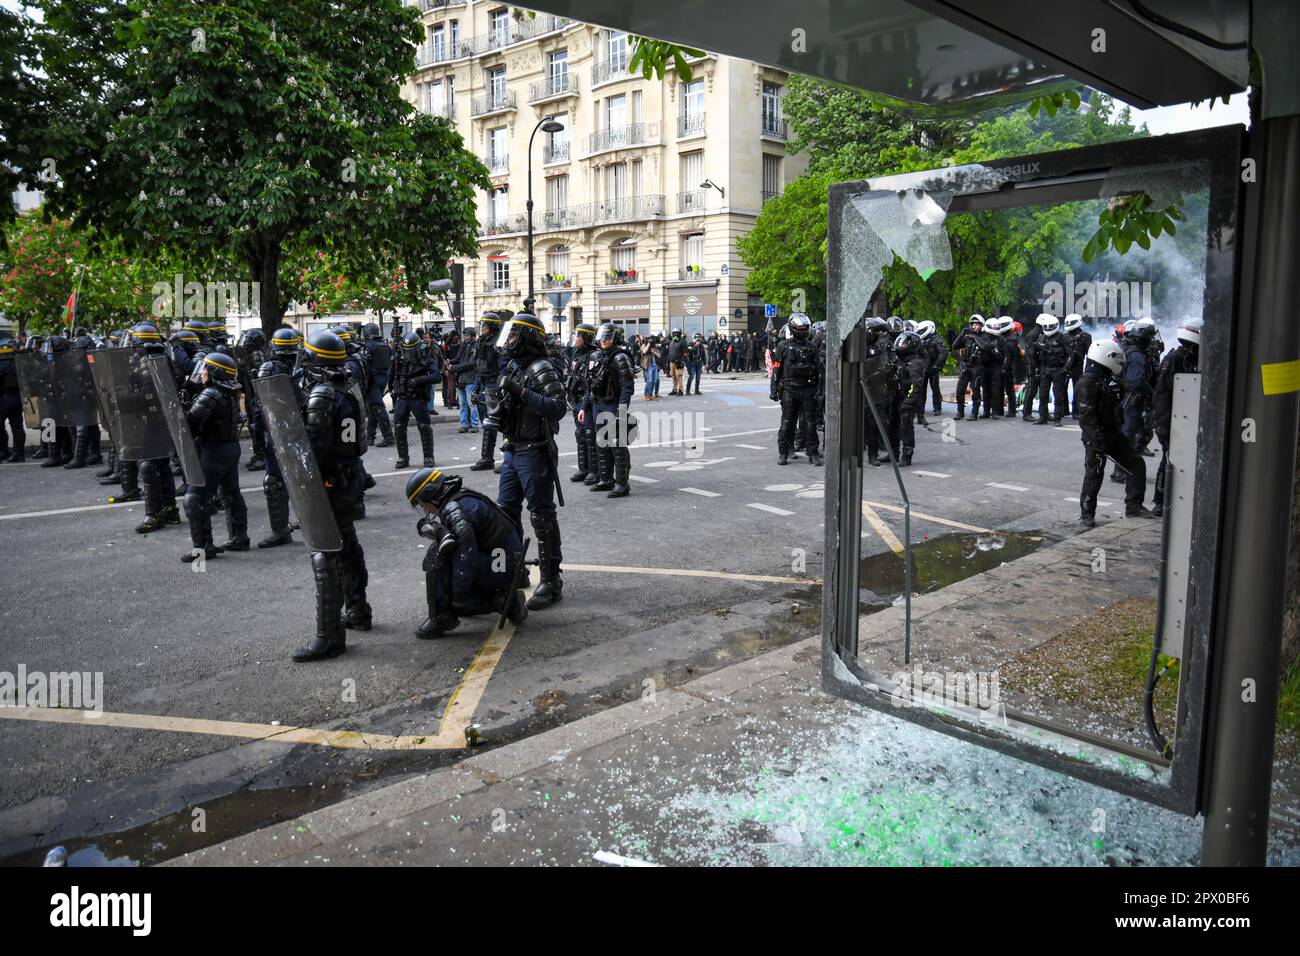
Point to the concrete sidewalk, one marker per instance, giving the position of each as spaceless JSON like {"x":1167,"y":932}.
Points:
{"x":753,"y":764}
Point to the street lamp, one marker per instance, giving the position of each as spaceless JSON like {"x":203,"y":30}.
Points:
{"x":710,"y":184}
{"x":548,"y":124}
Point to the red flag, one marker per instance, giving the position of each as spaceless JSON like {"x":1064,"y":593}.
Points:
{"x":72,"y":307}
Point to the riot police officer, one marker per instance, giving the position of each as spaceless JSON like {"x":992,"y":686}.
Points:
{"x":527,"y":410}
{"x":577,"y":389}
{"x":251,"y":353}
{"x":282,"y":357}
{"x":381,"y":363}
{"x":470,"y":566}
{"x":1078,"y":341}
{"x":936,"y":358}
{"x":153,"y":475}
{"x":913,"y":373}
{"x":214,"y":419}
{"x":883,"y":382}
{"x":1052,"y":361}
{"x":796,"y":379}
{"x":1184,"y":358}
{"x":610,"y":381}
{"x":11,"y":404}
{"x":967,"y":347}
{"x":413,"y":378}
{"x":1101,"y":426}
{"x":336,"y":429}
{"x":488,"y":371}
{"x":992,"y":358}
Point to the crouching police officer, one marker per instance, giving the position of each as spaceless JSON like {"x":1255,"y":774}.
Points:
{"x":476,"y":549}
{"x":527,"y":409}
{"x":214,"y":421}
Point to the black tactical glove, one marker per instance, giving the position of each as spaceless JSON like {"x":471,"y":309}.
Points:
{"x":512,"y":386}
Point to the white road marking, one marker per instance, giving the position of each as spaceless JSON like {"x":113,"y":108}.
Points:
{"x":930,"y":474}
{"x":643,"y":479}
{"x":753,"y":447}
{"x":604,"y":856}
{"x":922,"y":516}
{"x":998,"y":484}
{"x":1100,"y":502}
{"x":776,"y":511}
{"x":701,"y":492}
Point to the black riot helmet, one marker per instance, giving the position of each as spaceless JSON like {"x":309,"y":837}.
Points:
{"x":323,"y":355}
{"x":199,"y":328}
{"x":253,"y":339}
{"x":521,"y":335}
{"x":6,"y":345}
{"x":607,"y":335}
{"x":431,"y":486}
{"x":907,"y":343}
{"x":800,"y":327}
{"x":223,"y":371}
{"x":895,"y":324}
{"x":285,"y":343}
{"x":147,"y":334}
{"x":588,"y":333}
{"x":371,"y":330}
{"x":412,"y":343}
{"x":186,"y":339}
{"x":875,"y":327}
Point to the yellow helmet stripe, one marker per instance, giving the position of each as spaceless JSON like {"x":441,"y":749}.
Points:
{"x":530,"y":325}
{"x":207,"y":360}
{"x":432,"y":475}
{"x":326,"y":353}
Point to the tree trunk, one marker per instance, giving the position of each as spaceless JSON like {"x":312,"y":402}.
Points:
{"x":263,"y":255}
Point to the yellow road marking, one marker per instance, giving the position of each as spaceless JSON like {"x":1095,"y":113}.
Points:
{"x":882,"y":529}
{"x":925,"y":517}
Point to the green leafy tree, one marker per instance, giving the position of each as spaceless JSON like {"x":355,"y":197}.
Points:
{"x":250,"y":130}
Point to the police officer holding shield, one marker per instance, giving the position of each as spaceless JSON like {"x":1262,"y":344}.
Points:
{"x":281,"y":359}
{"x":214,"y":420}
{"x":11,"y":404}
{"x":527,"y":410}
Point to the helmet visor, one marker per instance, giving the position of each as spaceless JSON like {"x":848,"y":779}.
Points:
{"x":513,"y":330}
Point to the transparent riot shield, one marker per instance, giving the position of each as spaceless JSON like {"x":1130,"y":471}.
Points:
{"x":36,"y":384}
{"x":999,"y":588}
{"x":164,"y":383}
{"x":129,"y":399}
{"x":74,"y":390}
{"x":302,"y":475}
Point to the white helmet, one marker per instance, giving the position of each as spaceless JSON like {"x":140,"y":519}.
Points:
{"x":1073,"y":322}
{"x":995,"y":326}
{"x":1049,"y":325}
{"x":977,"y":318}
{"x":925,"y":329}
{"x":1190,"y":331}
{"x":1107,"y":354}
{"x":1043,"y":319}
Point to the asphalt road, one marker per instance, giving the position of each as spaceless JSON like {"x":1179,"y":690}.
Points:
{"x":82,"y":591}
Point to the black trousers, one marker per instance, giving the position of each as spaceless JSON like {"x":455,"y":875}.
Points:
{"x":1094,"y":470}
{"x":1031,"y":392}
{"x":991,"y":389}
{"x":220,"y":460}
{"x":11,"y":411}
{"x":935,"y":396}
{"x":798,"y":408}
{"x":968,"y":378}
{"x":1053,"y":380}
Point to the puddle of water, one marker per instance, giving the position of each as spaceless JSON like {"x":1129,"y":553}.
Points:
{"x":944,"y":560}
{"x":174,"y":835}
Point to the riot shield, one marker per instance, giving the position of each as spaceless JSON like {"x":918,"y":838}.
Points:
{"x":164,"y":382}
{"x":875,"y":376}
{"x":36,"y":384}
{"x":128,"y":397}
{"x":74,"y":390}
{"x":354,"y":389}
{"x":302,"y":475}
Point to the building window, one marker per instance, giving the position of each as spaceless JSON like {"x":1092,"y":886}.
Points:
{"x":771,"y":109}
{"x":557,"y":193}
{"x":616,"y":182}
{"x":438,"y":43}
{"x":690,"y":197}
{"x":615,"y":113}
{"x":557,"y":266}
{"x":500,"y":27}
{"x":497,"y":86}
{"x":500,"y":273}
{"x":558,"y":72}
{"x":451,"y":96}
{"x":616,"y":51}
{"x":622,"y":260}
{"x":497,"y":207}
{"x":455,"y":38}
{"x":691,"y":119}
{"x":498,"y":153}
{"x":692,"y":255}
{"x":771,"y":176}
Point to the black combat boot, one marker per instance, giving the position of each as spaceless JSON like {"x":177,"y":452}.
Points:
{"x":426,"y":444}
{"x":815,"y":458}
{"x":906,"y":458}
{"x":605,"y":464}
{"x":438,"y":622}
{"x":622,"y":471}
{"x":593,"y":459}
{"x":277,"y":511}
{"x":402,"y":461}
{"x":783,"y":459}
{"x":488,"y":445}
{"x":42,"y":452}
{"x":358,"y":617}
{"x":110,"y":466}
{"x":331,"y":637}
{"x":551,"y":590}
{"x":581,"y":473}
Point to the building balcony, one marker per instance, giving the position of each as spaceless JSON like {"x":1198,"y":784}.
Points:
{"x":768,"y":194}
{"x":622,"y":277}
{"x":494,"y":287}
{"x":430,"y":53}
{"x":555,"y":153}
{"x":609,"y":70}
{"x":691,"y":201}
{"x":690,"y":124}
{"x":498,"y":165}
{"x":489,"y":103}
{"x":526,"y":28}
{"x":618,"y":137}
{"x":570,"y":217}
{"x":553,"y":87}
{"x":690,"y":272}
{"x":557,"y":282}
{"x":495,"y":227}
{"x":775,"y":128}
{"x":428,"y":5}
{"x":599,"y":213}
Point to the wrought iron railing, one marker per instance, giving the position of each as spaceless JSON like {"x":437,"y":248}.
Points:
{"x":492,"y":103}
